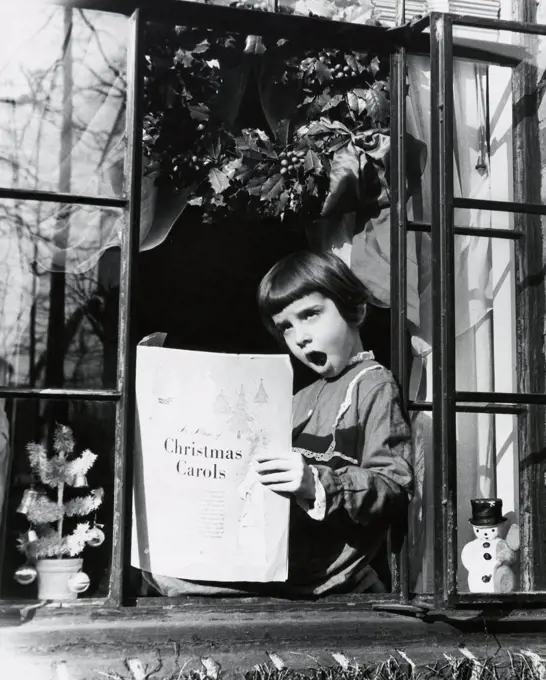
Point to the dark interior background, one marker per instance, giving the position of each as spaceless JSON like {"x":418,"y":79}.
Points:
{"x":199,"y":286}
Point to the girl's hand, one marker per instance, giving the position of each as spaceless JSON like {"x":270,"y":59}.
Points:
{"x":285,"y":473}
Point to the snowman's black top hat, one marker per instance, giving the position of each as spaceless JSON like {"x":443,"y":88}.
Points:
{"x":486,"y":512}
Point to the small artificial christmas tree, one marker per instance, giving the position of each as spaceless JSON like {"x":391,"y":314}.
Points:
{"x":45,"y":537}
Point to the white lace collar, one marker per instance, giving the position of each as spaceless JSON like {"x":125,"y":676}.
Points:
{"x":361,"y":356}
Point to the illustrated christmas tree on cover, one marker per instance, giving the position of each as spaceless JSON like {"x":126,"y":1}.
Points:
{"x":261,"y":395}
{"x":241,"y":419}
{"x":45,"y":537}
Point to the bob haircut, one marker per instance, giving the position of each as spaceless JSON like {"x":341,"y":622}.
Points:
{"x":305,"y":272}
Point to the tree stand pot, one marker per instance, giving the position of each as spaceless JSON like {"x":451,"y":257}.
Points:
{"x":54,"y":576}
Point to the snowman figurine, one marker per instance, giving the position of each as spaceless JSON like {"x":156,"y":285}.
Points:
{"x":488,"y":558}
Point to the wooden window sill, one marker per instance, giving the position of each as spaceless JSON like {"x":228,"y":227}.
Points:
{"x":239,"y":635}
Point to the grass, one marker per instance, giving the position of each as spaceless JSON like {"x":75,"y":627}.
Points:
{"x":524,"y":665}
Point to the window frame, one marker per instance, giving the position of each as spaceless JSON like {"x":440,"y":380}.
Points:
{"x":446,"y":401}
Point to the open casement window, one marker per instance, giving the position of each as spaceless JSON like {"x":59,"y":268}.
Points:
{"x":477,"y":383}
{"x":83,"y":224}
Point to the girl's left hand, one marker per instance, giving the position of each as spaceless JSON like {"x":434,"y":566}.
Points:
{"x":285,"y":473}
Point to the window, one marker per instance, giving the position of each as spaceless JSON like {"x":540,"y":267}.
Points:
{"x":83,"y":220}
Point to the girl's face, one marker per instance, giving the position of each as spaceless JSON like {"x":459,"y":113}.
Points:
{"x":317,"y":334}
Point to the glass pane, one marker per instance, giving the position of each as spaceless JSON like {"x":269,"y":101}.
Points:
{"x":352,"y":11}
{"x":59,"y":291}
{"x":489,"y":219}
{"x":493,"y":116}
{"x":485,"y":315}
{"x":421,"y":513}
{"x":62,"y":108}
{"x":31,"y":491}
{"x":488,"y":455}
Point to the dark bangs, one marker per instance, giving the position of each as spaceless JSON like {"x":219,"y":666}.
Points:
{"x":287,"y":281}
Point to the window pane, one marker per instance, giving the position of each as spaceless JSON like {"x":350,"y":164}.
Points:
{"x":490,"y":219}
{"x":59,"y":288}
{"x":30,"y":420}
{"x":485,"y":315}
{"x":62,"y":107}
{"x":489,"y":450}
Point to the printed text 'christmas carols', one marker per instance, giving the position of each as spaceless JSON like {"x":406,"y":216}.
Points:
{"x":187,"y":466}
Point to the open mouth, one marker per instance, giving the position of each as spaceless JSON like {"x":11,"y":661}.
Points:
{"x":316,"y":358}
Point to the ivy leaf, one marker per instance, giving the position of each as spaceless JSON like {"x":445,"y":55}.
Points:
{"x":272,"y":187}
{"x":201,"y":47}
{"x":312,"y":162}
{"x":218,"y":179}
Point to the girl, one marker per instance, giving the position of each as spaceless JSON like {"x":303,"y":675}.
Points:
{"x":349,"y":473}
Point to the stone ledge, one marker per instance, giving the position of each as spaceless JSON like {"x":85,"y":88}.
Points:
{"x":96,"y":642}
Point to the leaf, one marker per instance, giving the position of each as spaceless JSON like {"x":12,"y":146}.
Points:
{"x":352,"y":61}
{"x":377,"y":105}
{"x":254,"y":45}
{"x":201,"y":47}
{"x":272,"y":187}
{"x":323,"y":73}
{"x":332,"y":102}
{"x":356,"y":104}
{"x":199,"y":111}
{"x":312,"y":162}
{"x":282,"y":202}
{"x":183,"y":57}
{"x":218,"y":179}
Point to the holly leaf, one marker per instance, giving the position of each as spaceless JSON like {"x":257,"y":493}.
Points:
{"x":352,"y":61}
{"x":377,"y":104}
{"x":272,"y":187}
{"x":201,"y":47}
{"x":332,"y":102}
{"x":199,"y":111}
{"x":282,"y":202}
{"x":323,"y":73}
{"x":311,"y":162}
{"x":183,"y":57}
{"x":218,"y":179}
{"x":355,"y":103}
